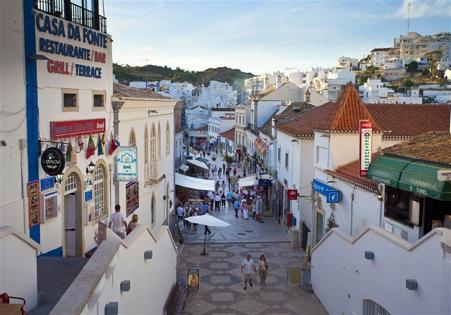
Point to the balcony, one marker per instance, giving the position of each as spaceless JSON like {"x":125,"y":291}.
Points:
{"x":74,"y":13}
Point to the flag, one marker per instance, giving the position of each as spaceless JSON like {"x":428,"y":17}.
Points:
{"x":113,"y":145}
{"x":99,"y":146}
{"x":69,"y":152}
{"x":91,"y":147}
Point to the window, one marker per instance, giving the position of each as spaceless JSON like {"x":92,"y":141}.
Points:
{"x":99,"y":190}
{"x":159,"y":141}
{"x":402,"y":207}
{"x":132,"y":138}
{"x":70,"y":100}
{"x":168,"y":139}
{"x":153,"y":153}
{"x":98,"y":100}
{"x":286,"y":160}
{"x":278,"y":154}
{"x":152,"y":210}
{"x":146,"y":155}
{"x":71,"y":184}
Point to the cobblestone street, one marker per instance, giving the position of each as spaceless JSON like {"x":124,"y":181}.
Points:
{"x":221,"y":282}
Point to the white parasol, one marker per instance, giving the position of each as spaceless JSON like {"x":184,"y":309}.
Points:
{"x":207,"y":219}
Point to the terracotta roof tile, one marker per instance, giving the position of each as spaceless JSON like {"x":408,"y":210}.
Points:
{"x":341,"y":116}
{"x":122,"y":90}
{"x":350,"y":173}
{"x":408,"y":120}
{"x":432,"y":147}
{"x":229,"y":134}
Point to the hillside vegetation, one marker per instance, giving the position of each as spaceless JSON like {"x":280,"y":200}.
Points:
{"x":126,"y":73}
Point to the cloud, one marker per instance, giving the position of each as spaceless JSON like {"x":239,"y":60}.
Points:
{"x":425,"y":8}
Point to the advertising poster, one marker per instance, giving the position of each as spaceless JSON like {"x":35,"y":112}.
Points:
{"x":34,"y":203}
{"x":193,"y":279}
{"x":51,"y":205}
{"x":132,"y":197}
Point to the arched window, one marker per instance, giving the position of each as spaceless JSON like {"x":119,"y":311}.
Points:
{"x":152,"y":210}
{"x":132,"y":138}
{"x":168,"y":139}
{"x":100,"y":192}
{"x":159,"y":141}
{"x":153,"y":153}
{"x":146,"y":155}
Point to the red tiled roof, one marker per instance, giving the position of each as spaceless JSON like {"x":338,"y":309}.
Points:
{"x":229,"y":134}
{"x":408,"y":120}
{"x":350,"y":173}
{"x":342,"y":116}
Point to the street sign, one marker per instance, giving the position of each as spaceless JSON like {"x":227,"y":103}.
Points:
{"x":292,"y":194}
{"x":332,"y":195}
{"x":366,"y":132}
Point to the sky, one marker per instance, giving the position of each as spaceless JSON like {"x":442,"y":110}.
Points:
{"x":262,"y":36}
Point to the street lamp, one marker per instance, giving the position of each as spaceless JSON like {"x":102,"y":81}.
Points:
{"x":59,"y":178}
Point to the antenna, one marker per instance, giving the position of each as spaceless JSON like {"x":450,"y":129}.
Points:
{"x":409,"y":6}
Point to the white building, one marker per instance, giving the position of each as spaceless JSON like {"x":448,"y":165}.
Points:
{"x":221,"y":120}
{"x":216,"y":94}
{"x":414,"y":46}
{"x":347,"y":62}
{"x":374,"y":91}
{"x":197,"y":117}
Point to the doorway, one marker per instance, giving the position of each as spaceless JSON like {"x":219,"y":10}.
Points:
{"x":72,"y":217}
{"x":319,"y":226}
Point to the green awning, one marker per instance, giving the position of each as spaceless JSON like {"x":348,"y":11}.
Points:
{"x":421,"y":178}
{"x":387,"y":169}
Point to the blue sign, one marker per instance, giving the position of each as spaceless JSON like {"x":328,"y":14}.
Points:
{"x":332,"y":195}
{"x":127,"y":164}
{"x":88,"y":195}
{"x":47,"y":183}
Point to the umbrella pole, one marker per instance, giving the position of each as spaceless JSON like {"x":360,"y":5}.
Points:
{"x":204,"y":253}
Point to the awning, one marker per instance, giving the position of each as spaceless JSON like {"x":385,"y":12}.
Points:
{"x":183,"y":167}
{"x":194,"y":182}
{"x":421,"y":178}
{"x":409,"y":175}
{"x":198,"y":164}
{"x":261,"y":146}
{"x":248,"y":181}
{"x":387,"y":169}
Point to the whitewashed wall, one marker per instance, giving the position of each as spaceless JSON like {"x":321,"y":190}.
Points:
{"x":12,"y":100}
{"x":342,"y":285}
{"x":150,"y":280}
{"x":18,"y":270}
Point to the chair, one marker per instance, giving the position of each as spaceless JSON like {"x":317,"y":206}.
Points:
{"x":5,"y":299}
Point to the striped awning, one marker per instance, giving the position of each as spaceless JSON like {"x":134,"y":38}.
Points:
{"x":261,"y":146}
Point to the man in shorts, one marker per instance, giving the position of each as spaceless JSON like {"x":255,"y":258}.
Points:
{"x":247,"y":267}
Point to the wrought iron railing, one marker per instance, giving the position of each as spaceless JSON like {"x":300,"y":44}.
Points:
{"x":72,"y":12}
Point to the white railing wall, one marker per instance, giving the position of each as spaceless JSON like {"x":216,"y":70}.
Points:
{"x":342,"y":277}
{"x":116,"y":261}
{"x":18,"y":266}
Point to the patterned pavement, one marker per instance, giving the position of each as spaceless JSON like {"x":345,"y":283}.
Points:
{"x":221,"y":283}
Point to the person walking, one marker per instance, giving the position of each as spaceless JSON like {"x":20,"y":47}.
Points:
{"x":217,"y":186}
{"x":133,"y":224}
{"x":217,"y":202}
{"x":245,"y":210}
{"x":181,"y":213}
{"x":247,"y":267}
{"x":234,"y":172}
{"x":223,"y":185}
{"x":229,"y":197}
{"x":219,"y":173}
{"x":262,"y":270}
{"x":236,"y":207}
{"x":223,"y":200}
{"x":117,"y":222}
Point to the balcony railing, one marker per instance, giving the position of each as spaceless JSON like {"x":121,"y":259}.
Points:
{"x":72,"y":12}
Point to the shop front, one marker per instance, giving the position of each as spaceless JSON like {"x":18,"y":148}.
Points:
{"x":416,"y":200}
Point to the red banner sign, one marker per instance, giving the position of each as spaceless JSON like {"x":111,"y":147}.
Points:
{"x":366,"y":133}
{"x":74,"y":128}
{"x":292,"y":194}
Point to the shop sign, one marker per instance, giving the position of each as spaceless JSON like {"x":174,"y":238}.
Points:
{"x":127,"y":164}
{"x":53,"y":161}
{"x":332,"y":195}
{"x":292,"y":194}
{"x":193,"y":279}
{"x":34,"y":203}
{"x":47,"y":183}
{"x":366,"y":132}
{"x":73,"y":128}
{"x":444,"y":175}
{"x":69,"y":40}
{"x":265,"y":182}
